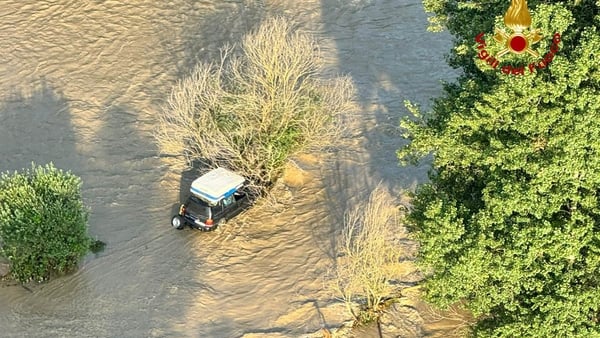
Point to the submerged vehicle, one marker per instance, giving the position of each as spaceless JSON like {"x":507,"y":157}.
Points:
{"x":216,"y":197}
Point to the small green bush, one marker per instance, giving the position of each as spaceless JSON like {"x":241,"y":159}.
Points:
{"x":43,"y":222}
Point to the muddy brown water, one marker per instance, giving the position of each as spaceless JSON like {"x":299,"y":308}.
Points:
{"x":81,"y":83}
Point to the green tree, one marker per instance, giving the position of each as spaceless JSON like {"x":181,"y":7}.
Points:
{"x":43,"y":222}
{"x":509,"y":223}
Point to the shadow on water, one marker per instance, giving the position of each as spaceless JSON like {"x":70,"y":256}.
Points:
{"x":235,"y":274}
{"x":205,"y":30}
{"x":150,"y":280}
{"x":390,"y":58}
{"x":145,"y":263}
{"x":153,"y":267}
{"x":35,"y":126}
{"x":383,"y":45}
{"x":204,"y":33}
{"x":187,"y":177}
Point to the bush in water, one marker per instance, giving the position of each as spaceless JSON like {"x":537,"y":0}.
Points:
{"x":43,"y":222}
{"x":255,"y":108}
{"x":370,"y":257}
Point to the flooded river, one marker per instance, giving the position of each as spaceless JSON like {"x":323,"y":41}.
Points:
{"x":81,"y":84}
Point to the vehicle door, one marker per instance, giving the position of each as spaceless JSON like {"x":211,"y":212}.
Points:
{"x":217,"y":210}
{"x":228,"y":205}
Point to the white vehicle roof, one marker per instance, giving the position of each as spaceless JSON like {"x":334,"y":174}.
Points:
{"x":216,"y":184}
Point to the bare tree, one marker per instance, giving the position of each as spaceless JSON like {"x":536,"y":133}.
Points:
{"x":256,"y":107}
{"x":370,"y":256}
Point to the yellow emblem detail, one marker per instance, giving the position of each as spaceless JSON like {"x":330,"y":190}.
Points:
{"x":518,"y":19}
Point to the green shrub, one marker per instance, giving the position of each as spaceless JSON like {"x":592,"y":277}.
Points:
{"x":43,"y":222}
{"x":259,"y":105}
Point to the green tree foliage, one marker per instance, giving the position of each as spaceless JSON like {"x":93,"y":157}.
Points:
{"x":43,"y":222}
{"x":510,"y":222}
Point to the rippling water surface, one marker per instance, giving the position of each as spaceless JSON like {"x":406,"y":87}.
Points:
{"x":81,"y":83}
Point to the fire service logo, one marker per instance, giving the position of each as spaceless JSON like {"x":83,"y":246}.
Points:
{"x":518,"y":40}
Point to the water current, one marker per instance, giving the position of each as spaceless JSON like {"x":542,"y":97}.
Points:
{"x":81,"y":84}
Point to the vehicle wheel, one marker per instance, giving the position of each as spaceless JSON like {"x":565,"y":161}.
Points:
{"x":177,"y":222}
